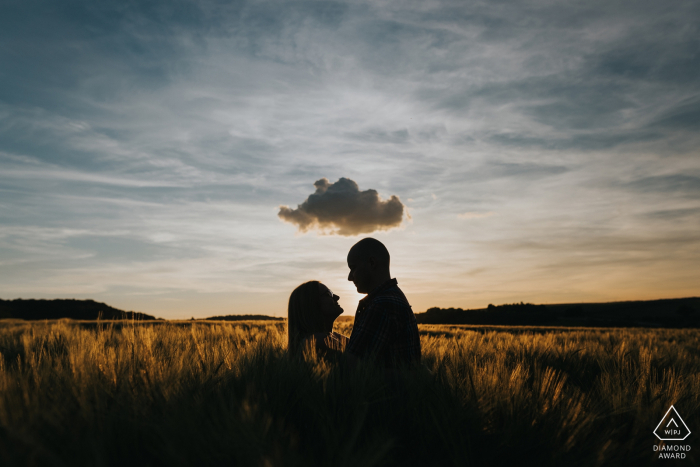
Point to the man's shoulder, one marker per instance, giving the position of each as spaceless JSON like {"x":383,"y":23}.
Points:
{"x":391,"y":295}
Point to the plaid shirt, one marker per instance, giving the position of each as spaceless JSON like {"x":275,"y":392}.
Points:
{"x":385,"y":326}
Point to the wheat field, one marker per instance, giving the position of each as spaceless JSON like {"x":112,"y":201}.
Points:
{"x":214,"y":393}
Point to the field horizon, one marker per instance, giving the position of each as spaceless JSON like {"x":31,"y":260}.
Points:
{"x":664,"y":313}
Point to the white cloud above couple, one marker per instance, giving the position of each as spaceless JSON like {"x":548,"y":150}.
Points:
{"x":341,"y":208}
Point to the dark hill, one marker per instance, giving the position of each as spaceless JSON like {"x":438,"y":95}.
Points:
{"x":57,"y":309}
{"x":675,"y":312}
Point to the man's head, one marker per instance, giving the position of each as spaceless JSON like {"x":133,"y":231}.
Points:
{"x":368,"y":261}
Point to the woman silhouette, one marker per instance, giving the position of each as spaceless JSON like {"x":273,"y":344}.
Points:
{"x":312,"y":311}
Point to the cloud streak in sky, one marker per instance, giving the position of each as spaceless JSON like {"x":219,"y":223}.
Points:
{"x":475,"y":215}
{"x":340,"y":208}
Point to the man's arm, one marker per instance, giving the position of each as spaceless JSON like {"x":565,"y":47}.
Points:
{"x":352,"y":360}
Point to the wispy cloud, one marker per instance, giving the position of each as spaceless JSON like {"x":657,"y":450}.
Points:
{"x":475,"y":215}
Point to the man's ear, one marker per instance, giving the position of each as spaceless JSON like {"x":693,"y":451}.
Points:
{"x":372,"y":263}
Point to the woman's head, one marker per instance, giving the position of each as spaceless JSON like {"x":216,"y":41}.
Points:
{"x":312,"y":309}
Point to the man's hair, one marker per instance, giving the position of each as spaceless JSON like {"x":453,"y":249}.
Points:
{"x":371,"y":247}
{"x":304,"y":316}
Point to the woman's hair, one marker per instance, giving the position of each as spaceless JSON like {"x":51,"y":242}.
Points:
{"x":304,"y":316}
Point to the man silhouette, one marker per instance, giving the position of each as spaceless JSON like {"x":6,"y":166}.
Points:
{"x":385,"y":326}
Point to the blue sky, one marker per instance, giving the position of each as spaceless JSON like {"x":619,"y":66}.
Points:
{"x":545,"y":152}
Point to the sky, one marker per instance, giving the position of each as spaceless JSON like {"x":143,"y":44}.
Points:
{"x":191,"y":159}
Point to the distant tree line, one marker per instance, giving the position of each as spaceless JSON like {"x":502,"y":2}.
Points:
{"x":516,"y":313}
{"x":244,"y":318}
{"x":677,"y":312}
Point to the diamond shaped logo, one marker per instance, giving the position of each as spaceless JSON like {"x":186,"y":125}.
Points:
{"x":672,"y":427}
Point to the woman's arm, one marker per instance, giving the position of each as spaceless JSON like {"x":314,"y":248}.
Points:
{"x":343,"y":340}
{"x":329,"y":341}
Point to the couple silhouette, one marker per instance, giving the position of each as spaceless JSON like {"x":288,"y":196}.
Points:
{"x":385,"y":328}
